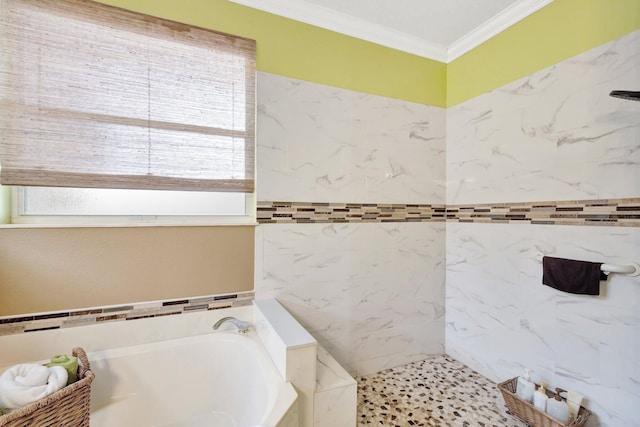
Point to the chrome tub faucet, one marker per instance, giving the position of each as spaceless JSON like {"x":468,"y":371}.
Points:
{"x":243,"y":327}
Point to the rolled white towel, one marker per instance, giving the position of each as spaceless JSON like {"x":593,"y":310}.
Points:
{"x":26,"y":383}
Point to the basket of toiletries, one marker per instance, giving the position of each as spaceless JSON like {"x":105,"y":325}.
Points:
{"x":539,"y":407}
{"x":57,"y":393}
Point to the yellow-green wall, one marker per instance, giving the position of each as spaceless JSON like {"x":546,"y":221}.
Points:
{"x":288,"y":48}
{"x":293,"y":49}
{"x":557,"y":32}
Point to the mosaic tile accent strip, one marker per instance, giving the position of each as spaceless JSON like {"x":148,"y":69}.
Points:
{"x":40,"y":322}
{"x":611,"y":212}
{"x":439,"y":391}
{"x":301,"y":212}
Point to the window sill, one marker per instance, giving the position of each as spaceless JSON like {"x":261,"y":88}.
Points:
{"x":126,"y":223}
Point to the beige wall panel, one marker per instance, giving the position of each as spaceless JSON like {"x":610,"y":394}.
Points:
{"x":54,"y":269}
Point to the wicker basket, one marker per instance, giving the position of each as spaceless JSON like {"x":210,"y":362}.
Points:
{"x":532,"y":415}
{"x":68,"y":406}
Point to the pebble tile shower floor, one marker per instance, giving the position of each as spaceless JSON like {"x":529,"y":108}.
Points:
{"x":439,"y":391}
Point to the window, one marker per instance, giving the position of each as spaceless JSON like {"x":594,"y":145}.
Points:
{"x":106,"y":103}
{"x":127,"y":207}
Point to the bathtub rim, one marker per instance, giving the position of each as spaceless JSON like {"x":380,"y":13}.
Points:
{"x":36,"y":346}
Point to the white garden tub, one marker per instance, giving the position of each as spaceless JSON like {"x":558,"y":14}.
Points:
{"x":220,"y":379}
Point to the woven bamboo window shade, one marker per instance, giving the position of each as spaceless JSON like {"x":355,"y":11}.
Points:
{"x":96,"y":96}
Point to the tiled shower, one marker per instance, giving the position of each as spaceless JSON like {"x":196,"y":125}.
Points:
{"x":379,"y":293}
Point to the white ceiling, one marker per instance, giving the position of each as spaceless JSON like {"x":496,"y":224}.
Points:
{"x":437,"y":29}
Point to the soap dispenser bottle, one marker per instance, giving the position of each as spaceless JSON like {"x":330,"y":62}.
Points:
{"x":573,"y":402}
{"x":525,"y":387}
{"x":540,"y":397}
{"x":558,"y":408}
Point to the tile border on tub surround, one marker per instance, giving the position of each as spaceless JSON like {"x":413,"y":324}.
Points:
{"x":10,"y":325}
{"x":606,"y":212}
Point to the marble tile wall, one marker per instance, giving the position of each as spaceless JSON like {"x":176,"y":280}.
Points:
{"x":372,"y":294}
{"x":318,"y":143}
{"x":501,"y":319}
{"x":554,"y":135}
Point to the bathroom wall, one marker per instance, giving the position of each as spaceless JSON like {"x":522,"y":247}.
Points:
{"x":61,"y":269}
{"x":290,"y":48}
{"x":285,"y":47}
{"x":371,"y":292}
{"x":558,"y":31}
{"x":554,"y":135}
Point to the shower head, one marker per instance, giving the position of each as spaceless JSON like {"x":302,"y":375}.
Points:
{"x":626,"y":94}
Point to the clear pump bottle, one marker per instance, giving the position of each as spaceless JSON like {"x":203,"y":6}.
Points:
{"x":525,"y":387}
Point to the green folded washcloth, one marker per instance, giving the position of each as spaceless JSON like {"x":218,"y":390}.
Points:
{"x":68,"y":362}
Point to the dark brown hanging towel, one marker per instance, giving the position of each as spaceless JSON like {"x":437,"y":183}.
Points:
{"x":568,"y":275}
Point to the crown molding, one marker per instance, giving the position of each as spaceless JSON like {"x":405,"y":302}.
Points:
{"x":494,"y":26}
{"x":343,"y":23}
{"x":339,"y":22}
